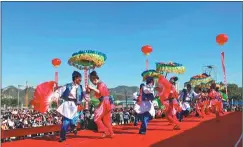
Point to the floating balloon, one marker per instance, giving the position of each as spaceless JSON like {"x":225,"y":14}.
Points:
{"x":221,"y":39}
{"x":56,"y":62}
{"x":147,"y":49}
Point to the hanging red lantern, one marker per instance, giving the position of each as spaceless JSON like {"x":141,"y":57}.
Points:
{"x":221,"y":39}
{"x":147,"y":49}
{"x":56,"y":62}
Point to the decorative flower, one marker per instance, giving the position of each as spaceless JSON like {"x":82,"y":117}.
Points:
{"x":171,"y":67}
{"x":150,"y":73}
{"x":87,"y":59}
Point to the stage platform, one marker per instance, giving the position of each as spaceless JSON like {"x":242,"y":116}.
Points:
{"x":194,"y":133}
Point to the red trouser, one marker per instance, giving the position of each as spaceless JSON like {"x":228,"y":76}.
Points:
{"x":169,"y":112}
{"x":200,"y":109}
{"x":103,"y":116}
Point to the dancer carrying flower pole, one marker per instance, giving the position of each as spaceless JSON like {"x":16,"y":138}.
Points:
{"x":103,"y":113}
{"x":144,"y":106}
{"x":72,"y":94}
{"x":167,"y":94}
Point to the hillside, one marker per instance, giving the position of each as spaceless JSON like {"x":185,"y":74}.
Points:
{"x":119,"y":92}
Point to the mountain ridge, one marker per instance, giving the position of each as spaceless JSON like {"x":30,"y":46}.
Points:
{"x":119,"y":92}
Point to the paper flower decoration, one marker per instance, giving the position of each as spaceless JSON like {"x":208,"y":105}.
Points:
{"x":150,"y":73}
{"x":202,"y":79}
{"x":87,"y":59}
{"x":171,"y":67}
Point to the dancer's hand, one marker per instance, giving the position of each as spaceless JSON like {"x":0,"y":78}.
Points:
{"x":90,"y":87}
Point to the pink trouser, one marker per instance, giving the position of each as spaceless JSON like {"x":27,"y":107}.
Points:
{"x":102,"y":116}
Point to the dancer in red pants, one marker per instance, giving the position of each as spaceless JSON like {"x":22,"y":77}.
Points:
{"x":168,"y":96}
{"x":103,"y":112}
{"x":200,"y":108}
{"x":213,"y":95}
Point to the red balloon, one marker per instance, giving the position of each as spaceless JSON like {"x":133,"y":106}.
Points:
{"x":221,"y":39}
{"x":147,"y":49}
{"x":56,"y":62}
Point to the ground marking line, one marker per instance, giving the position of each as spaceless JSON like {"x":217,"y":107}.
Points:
{"x":237,"y":143}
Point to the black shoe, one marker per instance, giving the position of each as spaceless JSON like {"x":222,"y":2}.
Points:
{"x":75,"y":132}
{"x":135,"y":124}
{"x":62,"y":140}
{"x":142,"y":133}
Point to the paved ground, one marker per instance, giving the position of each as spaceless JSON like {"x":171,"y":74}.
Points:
{"x":194,"y":133}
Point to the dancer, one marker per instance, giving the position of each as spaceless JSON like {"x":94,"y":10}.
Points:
{"x":200,"y":104}
{"x":220,"y":100}
{"x":137,"y":97}
{"x":172,"y":105}
{"x":103,"y":113}
{"x":214,"y":96}
{"x":207,"y":102}
{"x":144,"y":107}
{"x":72,"y":94}
{"x":186,"y":97}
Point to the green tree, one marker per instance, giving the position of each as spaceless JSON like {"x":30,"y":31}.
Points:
{"x":234,"y":92}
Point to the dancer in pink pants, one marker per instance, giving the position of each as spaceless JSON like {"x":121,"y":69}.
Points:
{"x":103,"y":112}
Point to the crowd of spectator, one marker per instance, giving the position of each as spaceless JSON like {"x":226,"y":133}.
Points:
{"x":123,"y":116}
{"x":27,"y":118}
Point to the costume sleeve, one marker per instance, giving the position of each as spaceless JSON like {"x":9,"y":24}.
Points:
{"x":195,"y":94}
{"x":135,"y":95}
{"x":58,"y":93}
{"x":148,"y":90}
{"x":103,"y":90}
{"x":181,"y":96}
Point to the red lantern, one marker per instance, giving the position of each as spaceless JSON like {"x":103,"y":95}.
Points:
{"x":147,"y":49}
{"x":221,"y":39}
{"x":56,"y":62}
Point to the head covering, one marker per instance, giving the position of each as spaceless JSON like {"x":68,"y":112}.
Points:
{"x":141,"y":85}
{"x":76,"y":74}
{"x":149,"y":80}
{"x":173,"y":79}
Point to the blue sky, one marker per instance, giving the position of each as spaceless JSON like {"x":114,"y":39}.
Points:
{"x":33,"y":33}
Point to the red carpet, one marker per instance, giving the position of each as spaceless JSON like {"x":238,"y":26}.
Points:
{"x":194,"y":133}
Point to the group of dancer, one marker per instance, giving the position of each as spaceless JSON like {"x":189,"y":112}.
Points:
{"x":176,"y":105}
{"x":73,"y":95}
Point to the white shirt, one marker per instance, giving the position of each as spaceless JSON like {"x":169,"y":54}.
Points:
{"x":73,"y":93}
{"x":135,"y":95}
{"x":10,"y":123}
{"x":148,"y":89}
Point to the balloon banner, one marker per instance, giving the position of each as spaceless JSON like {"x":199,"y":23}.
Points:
{"x":150,"y":73}
{"x":170,"y":68}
